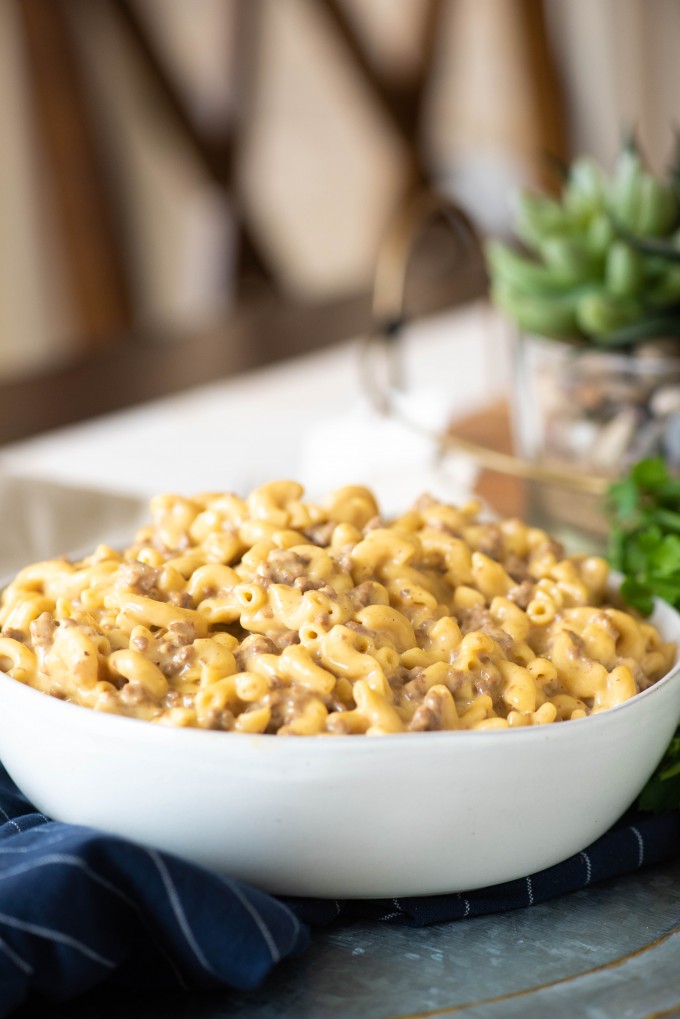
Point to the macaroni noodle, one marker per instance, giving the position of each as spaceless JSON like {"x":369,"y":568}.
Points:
{"x":276,"y":615}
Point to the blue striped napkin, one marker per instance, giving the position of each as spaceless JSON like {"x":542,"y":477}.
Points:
{"x":78,"y":907}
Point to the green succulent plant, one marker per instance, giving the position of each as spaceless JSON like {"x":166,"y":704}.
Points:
{"x":601,"y":263}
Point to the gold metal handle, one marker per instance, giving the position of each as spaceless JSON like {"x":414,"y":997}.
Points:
{"x":383,"y":382}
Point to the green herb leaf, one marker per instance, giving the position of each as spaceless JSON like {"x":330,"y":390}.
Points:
{"x":624,"y":498}
{"x":662,"y":792}
{"x":650,"y":474}
{"x":638,"y":595}
{"x":644,"y":545}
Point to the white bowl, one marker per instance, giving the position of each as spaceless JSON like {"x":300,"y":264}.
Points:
{"x":345,"y":816}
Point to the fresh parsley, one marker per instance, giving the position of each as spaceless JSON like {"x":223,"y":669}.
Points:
{"x":644,"y":546}
{"x":644,"y":542}
{"x":662,"y":792}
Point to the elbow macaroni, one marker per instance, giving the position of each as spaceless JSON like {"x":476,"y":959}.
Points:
{"x":275,"y":615}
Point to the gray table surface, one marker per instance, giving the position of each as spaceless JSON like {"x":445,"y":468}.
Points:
{"x":611,"y":951}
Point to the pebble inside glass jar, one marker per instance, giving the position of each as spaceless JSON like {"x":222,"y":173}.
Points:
{"x":580,"y":408}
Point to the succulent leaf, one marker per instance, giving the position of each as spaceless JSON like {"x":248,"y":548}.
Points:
{"x":603,"y":260}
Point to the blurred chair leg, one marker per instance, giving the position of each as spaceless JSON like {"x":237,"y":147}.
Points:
{"x":216,"y":154}
{"x":550,"y":116}
{"x":83,"y":215}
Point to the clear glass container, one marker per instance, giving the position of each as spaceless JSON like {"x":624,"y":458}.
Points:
{"x":595,"y":412}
